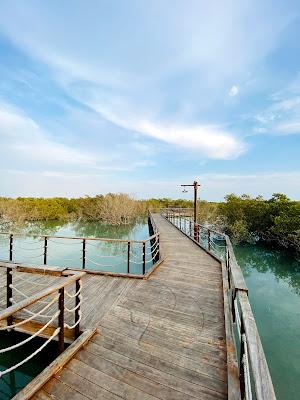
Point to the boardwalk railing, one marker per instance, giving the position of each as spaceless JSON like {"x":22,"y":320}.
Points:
{"x":48,"y":311}
{"x":119,"y":256}
{"x":254,"y":375}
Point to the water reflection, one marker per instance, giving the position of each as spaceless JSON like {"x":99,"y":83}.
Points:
{"x":273,"y":279}
{"x":264,"y":259}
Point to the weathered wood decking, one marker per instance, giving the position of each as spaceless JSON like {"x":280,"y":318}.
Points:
{"x":161,"y":338}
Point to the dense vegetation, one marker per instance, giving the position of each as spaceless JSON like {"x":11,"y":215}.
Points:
{"x":276,"y":220}
{"x":245,"y":219}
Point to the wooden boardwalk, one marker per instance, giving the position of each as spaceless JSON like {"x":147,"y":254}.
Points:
{"x":161,"y":338}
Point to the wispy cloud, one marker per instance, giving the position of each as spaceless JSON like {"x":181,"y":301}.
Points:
{"x":23,"y":137}
{"x":233,"y":91}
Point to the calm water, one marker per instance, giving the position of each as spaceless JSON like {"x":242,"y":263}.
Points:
{"x":100,"y":255}
{"x":273,"y":279}
{"x":13,"y":382}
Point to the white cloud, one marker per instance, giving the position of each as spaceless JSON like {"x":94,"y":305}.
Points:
{"x":121,"y":64}
{"x":208,"y":140}
{"x":288,"y":127}
{"x":233,"y":91}
{"x":23,"y":138}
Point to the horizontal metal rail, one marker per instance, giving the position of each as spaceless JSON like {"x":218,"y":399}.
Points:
{"x":132,"y":258}
{"x":254,"y":375}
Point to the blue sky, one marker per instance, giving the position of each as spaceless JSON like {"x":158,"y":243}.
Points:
{"x":141,"y":96}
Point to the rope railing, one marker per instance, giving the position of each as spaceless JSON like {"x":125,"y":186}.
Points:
{"x":254,"y":375}
{"x":12,"y":318}
{"x":129,"y":256}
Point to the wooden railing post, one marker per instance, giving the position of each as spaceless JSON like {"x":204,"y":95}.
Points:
{"x":45,"y":249}
{"x":9,"y":293}
{"x":83,"y":253}
{"x":11,"y":240}
{"x":61,"y":320}
{"x":144,"y":258}
{"x":128,"y":257}
{"x":158,"y":247}
{"x":241,"y":371}
{"x":77,"y":311}
{"x":196,"y":232}
{"x":208,"y":239}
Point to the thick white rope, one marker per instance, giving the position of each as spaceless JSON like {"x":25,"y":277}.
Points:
{"x":28,"y":311}
{"x":75,"y":294}
{"x":105,"y":265}
{"x":153,"y":257}
{"x":25,"y":295}
{"x":40,"y":255}
{"x":76,"y":323}
{"x":31,"y":355}
{"x":75,"y":308}
{"x":8,"y":327}
{"x":75,"y":241}
{"x":16,"y":247}
{"x":106,"y":256}
{"x":15,"y":346}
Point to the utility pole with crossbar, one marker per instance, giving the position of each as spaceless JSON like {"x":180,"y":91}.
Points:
{"x":195,"y":185}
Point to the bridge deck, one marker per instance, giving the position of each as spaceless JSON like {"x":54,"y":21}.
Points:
{"x":161,"y":338}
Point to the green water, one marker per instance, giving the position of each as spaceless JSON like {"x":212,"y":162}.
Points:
{"x":273,"y":279}
{"x":99,"y":255}
{"x":12,"y":382}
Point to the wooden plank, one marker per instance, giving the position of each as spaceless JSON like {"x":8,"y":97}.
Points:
{"x":85,"y":387}
{"x":238,"y":280}
{"x":232,"y":364}
{"x":128,"y":377}
{"x":39,"y":381}
{"x":118,"y":387}
{"x":161,"y":373}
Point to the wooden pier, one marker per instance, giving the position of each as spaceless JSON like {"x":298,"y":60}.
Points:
{"x":169,"y":336}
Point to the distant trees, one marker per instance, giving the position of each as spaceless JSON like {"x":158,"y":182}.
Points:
{"x":275,"y":220}
{"x":244,"y":218}
{"x":114,"y":209}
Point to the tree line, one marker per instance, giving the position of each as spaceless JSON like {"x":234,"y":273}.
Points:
{"x":245,"y":219}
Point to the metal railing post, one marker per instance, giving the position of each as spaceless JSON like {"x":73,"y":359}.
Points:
{"x":144,"y":258}
{"x":11,"y":240}
{"x":128,"y":257}
{"x":77,"y":311}
{"x":208,"y":239}
{"x":61,"y":320}
{"x":45,"y":249}
{"x":83,"y":253}
{"x":9,"y":293}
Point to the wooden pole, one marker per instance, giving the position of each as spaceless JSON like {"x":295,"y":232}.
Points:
{"x":83,"y":253}
{"x":77,"y":311}
{"x":45,"y":249}
{"x":61,"y":321}
{"x":11,"y":240}
{"x":144,"y":258}
{"x":128,"y":257}
{"x":9,"y":293}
